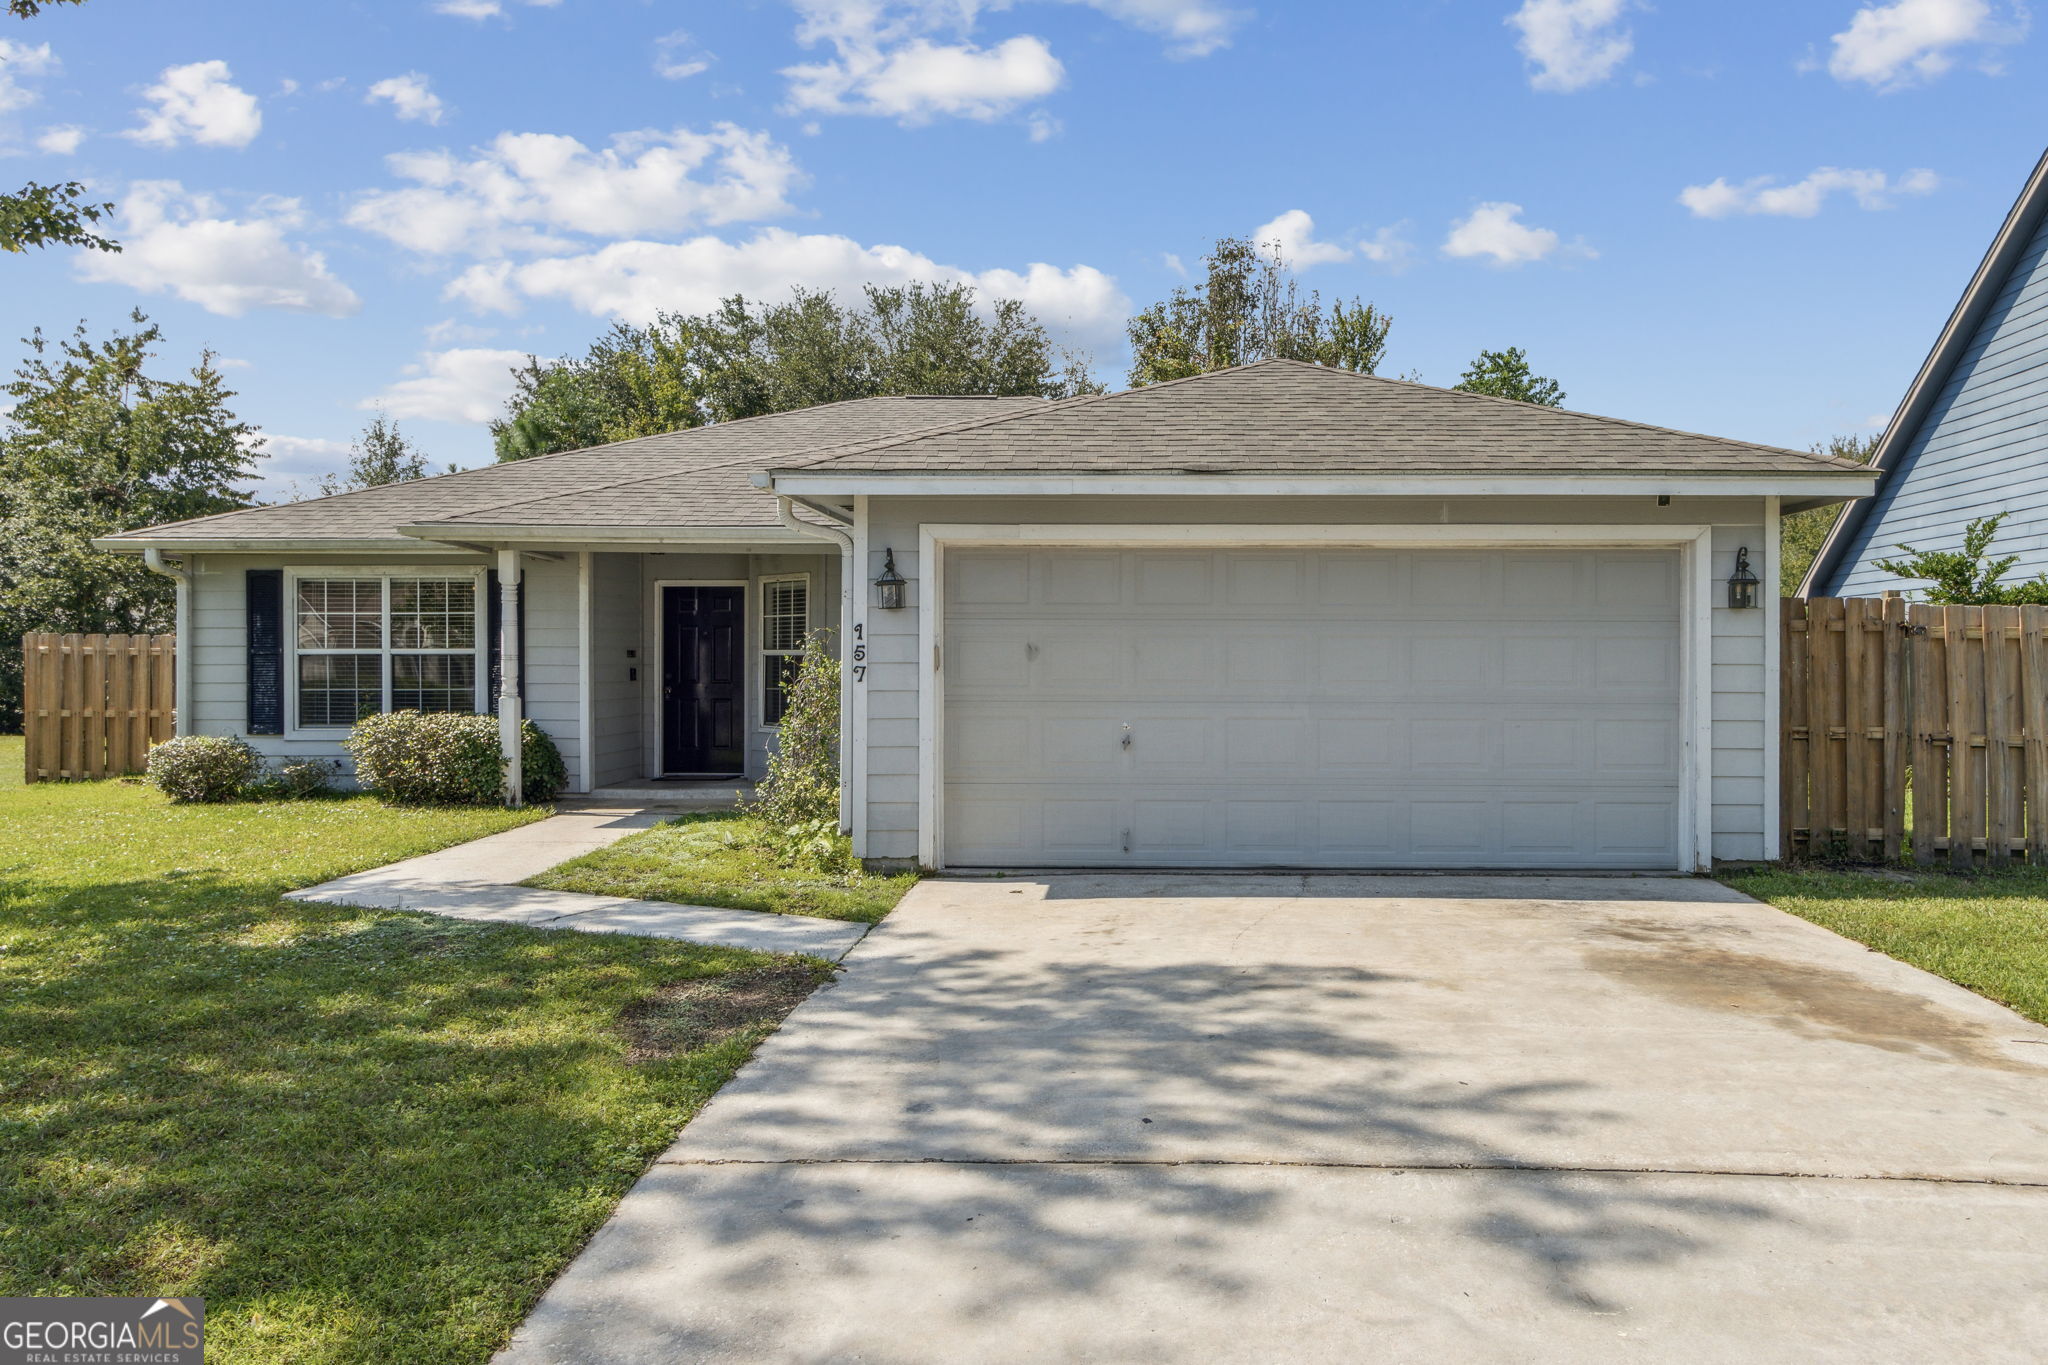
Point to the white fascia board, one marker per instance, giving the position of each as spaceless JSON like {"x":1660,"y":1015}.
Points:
{"x":1835,"y":486}
{"x":266,"y":545}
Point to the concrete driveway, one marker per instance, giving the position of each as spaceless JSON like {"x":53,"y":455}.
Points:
{"x":1239,"y":1118}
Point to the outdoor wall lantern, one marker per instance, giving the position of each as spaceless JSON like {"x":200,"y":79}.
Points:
{"x":889,"y":587}
{"x":1742,"y":583}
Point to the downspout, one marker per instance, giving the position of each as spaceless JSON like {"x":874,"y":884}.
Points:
{"x":785,"y":512}
{"x":508,"y":677}
{"x":181,"y":670}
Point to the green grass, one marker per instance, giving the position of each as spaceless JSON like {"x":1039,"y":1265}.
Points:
{"x":1984,"y":930}
{"x":714,"y":859}
{"x":360,"y":1136}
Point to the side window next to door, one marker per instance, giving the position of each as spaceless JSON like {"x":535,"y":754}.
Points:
{"x":785,"y":620}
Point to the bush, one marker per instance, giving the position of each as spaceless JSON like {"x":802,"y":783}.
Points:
{"x":295,"y":779}
{"x":416,"y":758}
{"x":798,"y":799}
{"x":203,"y":767}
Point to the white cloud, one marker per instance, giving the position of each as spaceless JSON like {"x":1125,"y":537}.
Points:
{"x":16,"y":61}
{"x":636,"y":280}
{"x":466,"y":384}
{"x":410,"y":97}
{"x":62,"y":140}
{"x":1043,"y":127}
{"x":285,"y":460}
{"x":1293,"y":235}
{"x":677,"y":58}
{"x":921,"y":80}
{"x":524,"y":186}
{"x":1895,"y":45}
{"x":1194,"y":28}
{"x":1572,"y":43}
{"x":483,"y":9}
{"x":1803,"y":198}
{"x":1496,"y":232}
{"x":200,"y":102}
{"x":181,"y":244}
{"x":916,"y":60}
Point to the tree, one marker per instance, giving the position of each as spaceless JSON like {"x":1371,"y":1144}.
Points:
{"x":1250,"y":308}
{"x":40,"y":215}
{"x":1969,"y":576}
{"x":96,"y":445}
{"x":43,"y":215}
{"x":743,"y":359}
{"x":381,"y":455}
{"x":1801,"y":534}
{"x":1506,"y":374}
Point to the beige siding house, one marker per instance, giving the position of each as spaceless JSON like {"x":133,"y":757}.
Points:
{"x":1279,"y":616}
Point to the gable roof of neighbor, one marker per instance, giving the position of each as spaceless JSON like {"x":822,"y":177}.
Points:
{"x":696,"y":477}
{"x":1892,"y":459}
{"x":1284,"y":417}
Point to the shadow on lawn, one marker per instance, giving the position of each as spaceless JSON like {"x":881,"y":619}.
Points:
{"x":339,"y":1126}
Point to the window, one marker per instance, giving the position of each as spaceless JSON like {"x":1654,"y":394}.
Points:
{"x":785,"y":621}
{"x":365,"y":645}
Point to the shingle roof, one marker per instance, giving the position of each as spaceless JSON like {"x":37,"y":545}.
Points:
{"x":1288,"y":417}
{"x":698,"y":477}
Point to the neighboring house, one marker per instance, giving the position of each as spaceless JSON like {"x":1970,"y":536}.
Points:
{"x":1280,"y":615}
{"x":1971,"y":438}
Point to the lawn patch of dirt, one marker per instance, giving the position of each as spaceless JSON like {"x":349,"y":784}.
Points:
{"x":689,"y":1015}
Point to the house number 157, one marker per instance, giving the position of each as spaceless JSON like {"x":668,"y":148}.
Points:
{"x":860,"y":652}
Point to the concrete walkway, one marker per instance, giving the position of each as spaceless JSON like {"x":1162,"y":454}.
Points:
{"x":479,"y":881}
{"x":1236,"y":1118}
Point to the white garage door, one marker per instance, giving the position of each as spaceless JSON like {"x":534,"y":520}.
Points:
{"x":1314,"y":708}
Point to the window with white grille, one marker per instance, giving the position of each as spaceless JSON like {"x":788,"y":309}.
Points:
{"x":785,"y":621}
{"x":369,"y":644}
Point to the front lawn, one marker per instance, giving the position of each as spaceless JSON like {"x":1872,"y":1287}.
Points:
{"x":360,"y":1136}
{"x":1984,"y":930}
{"x":714,"y":858}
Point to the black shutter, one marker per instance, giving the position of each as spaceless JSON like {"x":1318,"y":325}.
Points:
{"x":264,"y":595}
{"x":495,"y":624}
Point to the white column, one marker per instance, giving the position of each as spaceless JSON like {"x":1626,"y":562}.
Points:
{"x":508,"y":676}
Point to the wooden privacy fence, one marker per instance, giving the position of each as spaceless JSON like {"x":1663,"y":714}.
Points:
{"x":1910,"y":728}
{"x":93,"y":704}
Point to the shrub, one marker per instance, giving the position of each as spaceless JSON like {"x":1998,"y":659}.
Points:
{"x":298,"y":778}
{"x":798,"y":799}
{"x":416,"y":758}
{"x":203,"y":767}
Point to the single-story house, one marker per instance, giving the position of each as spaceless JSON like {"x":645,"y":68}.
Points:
{"x":1970,"y":438}
{"x":1274,"y":616}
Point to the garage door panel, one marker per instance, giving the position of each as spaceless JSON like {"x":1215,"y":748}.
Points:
{"x":1313,"y":708}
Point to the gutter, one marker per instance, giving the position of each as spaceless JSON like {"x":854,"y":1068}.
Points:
{"x":785,"y":512}
{"x":181,"y":663}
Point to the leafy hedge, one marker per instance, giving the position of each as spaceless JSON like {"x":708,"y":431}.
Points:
{"x":417,"y":758}
{"x":205,"y":768}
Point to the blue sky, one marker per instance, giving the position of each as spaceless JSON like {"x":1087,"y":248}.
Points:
{"x":1747,"y":218}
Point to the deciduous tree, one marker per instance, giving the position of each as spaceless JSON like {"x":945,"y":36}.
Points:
{"x":1506,"y":374}
{"x":744,"y":359}
{"x":1250,"y":307}
{"x":94,"y":445}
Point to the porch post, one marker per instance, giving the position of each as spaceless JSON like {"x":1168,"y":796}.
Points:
{"x":508,"y":676}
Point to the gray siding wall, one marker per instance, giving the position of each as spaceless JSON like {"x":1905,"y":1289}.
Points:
{"x":617,"y":653}
{"x":1983,"y":448}
{"x":889,"y":699}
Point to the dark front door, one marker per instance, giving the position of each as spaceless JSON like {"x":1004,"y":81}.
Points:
{"x":703,"y":681}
